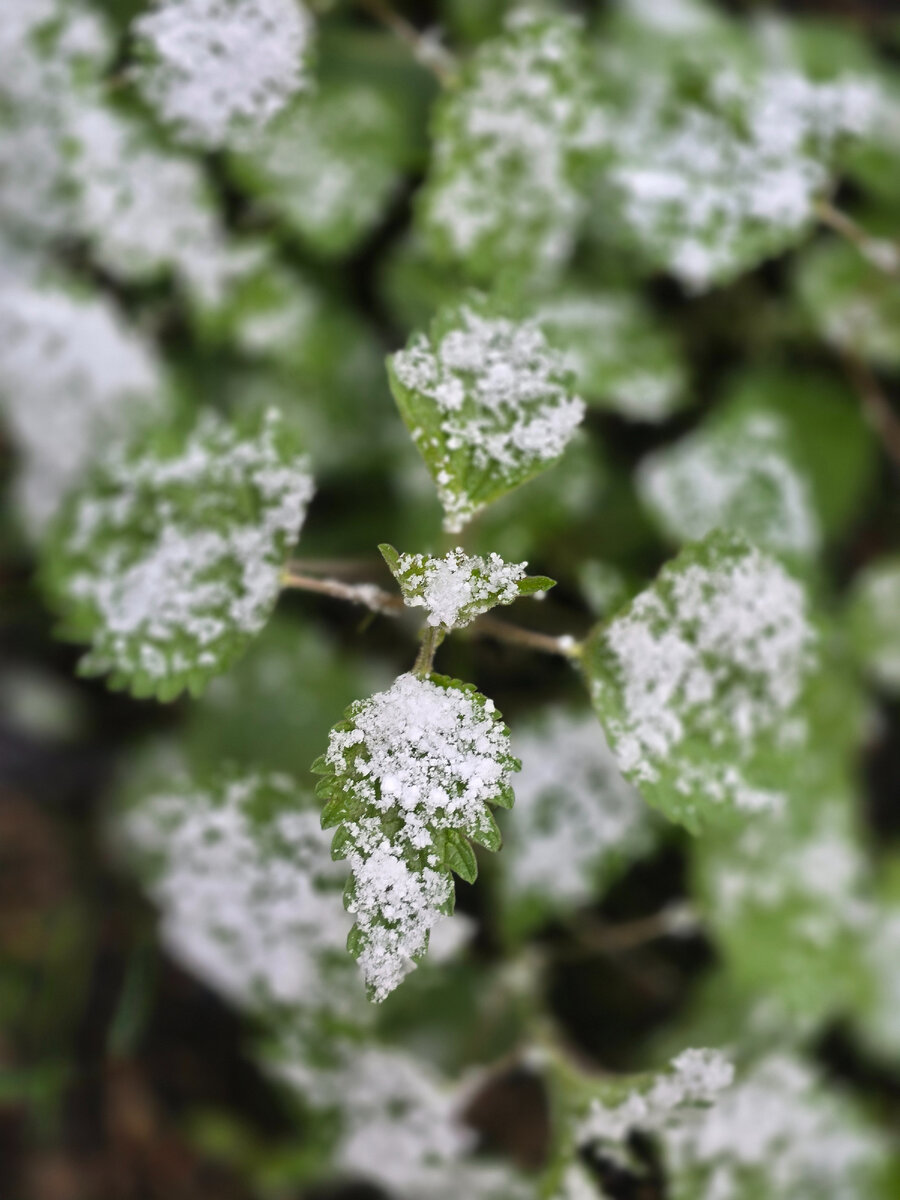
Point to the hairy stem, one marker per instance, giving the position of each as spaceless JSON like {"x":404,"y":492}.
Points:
{"x":431,"y":639}
{"x":425,"y":48}
{"x":876,"y":406}
{"x":543,"y":643}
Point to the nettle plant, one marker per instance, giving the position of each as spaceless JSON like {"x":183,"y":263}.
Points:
{"x":174,"y":375}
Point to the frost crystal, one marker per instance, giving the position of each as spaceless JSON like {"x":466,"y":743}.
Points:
{"x":459,"y":587}
{"x":699,"y":672}
{"x":488,"y":404}
{"x":250,"y":898}
{"x":409,"y":777}
{"x":172,"y":560}
{"x":74,"y":380}
{"x":503,"y":189}
{"x":715,"y":179}
{"x":576,"y":819}
{"x":776,"y":1131}
{"x":734,"y":475}
{"x":216,"y":68}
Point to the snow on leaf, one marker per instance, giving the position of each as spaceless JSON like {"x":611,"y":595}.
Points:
{"x":775,"y":1131}
{"x":718,"y":169}
{"x":459,"y":587}
{"x":487,"y":402}
{"x":621,"y":359}
{"x":408,"y":778}
{"x":702,"y":678}
{"x":169,"y":561}
{"x":576,"y":823}
{"x":503,"y":191}
{"x":852,"y":304}
{"x":217,"y":68}
{"x":74,"y":380}
{"x":329,"y":166}
{"x":250,"y":899}
{"x":873,"y":621}
{"x":736,"y":471}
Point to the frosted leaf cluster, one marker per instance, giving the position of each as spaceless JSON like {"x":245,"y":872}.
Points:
{"x":249,"y":897}
{"x":619,"y":356}
{"x":409,"y":777}
{"x":710,"y":186}
{"x":74,"y":382}
{"x":217,"y":68}
{"x":576,"y":819}
{"x":401,"y":1127}
{"x":329,"y":166}
{"x":701,"y":671}
{"x":873,"y":621}
{"x":171,"y":561}
{"x":775,"y":1131}
{"x":503,"y":190}
{"x":737,"y":474}
{"x":488,"y":403}
{"x":459,"y":587}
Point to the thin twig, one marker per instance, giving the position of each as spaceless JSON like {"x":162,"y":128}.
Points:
{"x":543,"y":643}
{"x":425,"y":47}
{"x":389,"y":604}
{"x":598,"y":937}
{"x":883,"y":254}
{"x":878,"y":410}
{"x":367,"y":594}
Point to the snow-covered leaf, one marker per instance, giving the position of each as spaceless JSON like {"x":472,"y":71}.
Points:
{"x":736,"y":471}
{"x":408,"y":778}
{"x":576,"y":824}
{"x":215,"y":69}
{"x":853,"y":304}
{"x":74,"y":381}
{"x":699,"y":682}
{"x":777,"y":1130}
{"x":716,"y":168}
{"x":330,"y":165}
{"x":250,"y":899}
{"x":503,"y":191}
{"x":488,"y":403}
{"x":459,"y":587}
{"x":169,"y":561}
{"x":621,"y":357}
{"x":873,"y":621}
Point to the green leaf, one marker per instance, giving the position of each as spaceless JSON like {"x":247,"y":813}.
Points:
{"x":623,"y":360}
{"x":708,"y":177}
{"x":249,"y":897}
{"x":459,"y":587}
{"x":853,"y":303}
{"x":416,"y":768}
{"x":872,"y":620}
{"x":504,"y":192}
{"x":487,"y":402}
{"x":738,"y":471}
{"x":700,"y":682}
{"x":329,"y":166}
{"x":577,"y":824}
{"x":169,"y":561}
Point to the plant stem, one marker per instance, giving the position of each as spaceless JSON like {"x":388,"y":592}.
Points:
{"x":388,"y":604}
{"x":431,"y":639}
{"x":425,"y":48}
{"x":878,"y":410}
{"x":367,"y":594}
{"x":543,"y":643}
{"x":885,"y":255}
